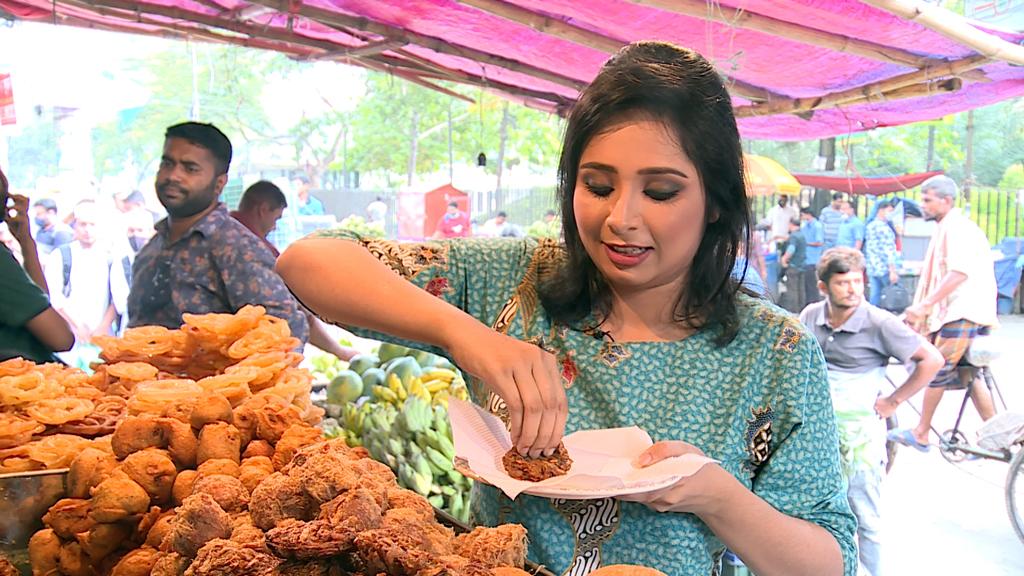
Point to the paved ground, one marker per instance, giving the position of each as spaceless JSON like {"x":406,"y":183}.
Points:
{"x":945,"y":519}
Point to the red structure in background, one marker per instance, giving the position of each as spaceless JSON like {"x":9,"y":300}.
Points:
{"x":6,"y":101}
{"x":859,"y":185}
{"x":418,"y":212}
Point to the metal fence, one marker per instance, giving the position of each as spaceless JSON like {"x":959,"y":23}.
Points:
{"x":999,"y":213}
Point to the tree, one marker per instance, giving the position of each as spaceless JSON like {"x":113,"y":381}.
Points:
{"x":213,"y":83}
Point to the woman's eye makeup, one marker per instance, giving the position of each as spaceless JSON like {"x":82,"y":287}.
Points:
{"x":661,"y":194}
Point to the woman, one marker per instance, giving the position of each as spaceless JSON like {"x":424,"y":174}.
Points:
{"x":634,"y":321}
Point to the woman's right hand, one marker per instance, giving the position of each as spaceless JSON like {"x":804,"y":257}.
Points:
{"x":525,"y":376}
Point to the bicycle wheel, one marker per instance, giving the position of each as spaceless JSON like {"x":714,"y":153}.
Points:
{"x":1015,"y":493}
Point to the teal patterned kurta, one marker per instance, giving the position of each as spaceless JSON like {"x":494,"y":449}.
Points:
{"x":759,"y":405}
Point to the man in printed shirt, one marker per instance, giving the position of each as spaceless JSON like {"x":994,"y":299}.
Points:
{"x":880,"y":253}
{"x":202,"y":260}
{"x":955,"y":300}
{"x":260,"y":208}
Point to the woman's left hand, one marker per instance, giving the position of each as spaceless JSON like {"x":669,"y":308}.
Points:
{"x":697,"y":494}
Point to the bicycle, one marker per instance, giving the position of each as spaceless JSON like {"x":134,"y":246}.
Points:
{"x":955,"y":447}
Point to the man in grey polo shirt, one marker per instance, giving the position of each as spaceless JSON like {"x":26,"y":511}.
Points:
{"x":858,"y":340}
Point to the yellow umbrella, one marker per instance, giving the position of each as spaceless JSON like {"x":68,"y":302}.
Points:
{"x":766,"y":177}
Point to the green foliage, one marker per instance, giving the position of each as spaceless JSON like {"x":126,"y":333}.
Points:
{"x":1013,"y":177}
{"x":228,"y":82}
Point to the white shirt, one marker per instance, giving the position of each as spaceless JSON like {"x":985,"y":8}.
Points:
{"x":780,"y":217}
{"x":966,"y":251}
{"x":90,"y":283}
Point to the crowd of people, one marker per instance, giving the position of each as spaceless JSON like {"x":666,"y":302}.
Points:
{"x":800,"y":237}
{"x":634,"y":316}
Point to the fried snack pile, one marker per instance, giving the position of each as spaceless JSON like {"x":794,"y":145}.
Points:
{"x":537,"y":469}
{"x":48,"y":413}
{"x":167,"y":485}
{"x":235,"y":355}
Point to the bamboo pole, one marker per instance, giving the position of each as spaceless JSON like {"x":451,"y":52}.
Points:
{"x":863,"y":92}
{"x":591,"y":39}
{"x":790,"y":31}
{"x":332,"y":18}
{"x":369,"y":49}
{"x":289,"y":48}
{"x":547,"y":25}
{"x":131,"y":11}
{"x":954,"y":27}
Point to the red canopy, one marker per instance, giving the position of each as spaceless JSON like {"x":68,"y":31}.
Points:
{"x":854,"y":184}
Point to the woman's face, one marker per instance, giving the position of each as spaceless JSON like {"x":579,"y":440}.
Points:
{"x":639,"y":206}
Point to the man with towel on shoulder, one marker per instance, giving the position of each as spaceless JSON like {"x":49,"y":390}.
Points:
{"x":954,"y":303}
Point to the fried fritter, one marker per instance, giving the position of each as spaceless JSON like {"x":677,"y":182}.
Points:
{"x":456,"y":566}
{"x":182,"y":443}
{"x":137,"y":433}
{"x":336,"y":446}
{"x":211,"y":408}
{"x":324,"y":476}
{"x":145,"y":524}
{"x":274,"y":418}
{"x":311,"y":568}
{"x":309,"y":540}
{"x":501,"y":546}
{"x":219,"y":440}
{"x":199,"y":520}
{"x":74,"y":561}
{"x":118,"y":498}
{"x":87,"y":470}
{"x":537,"y":469}
{"x":180,"y":411}
{"x":296,"y":437}
{"x":183,"y":484}
{"x":153,"y":470}
{"x":103,"y":539}
{"x":257,"y":448}
{"x":138,"y":562}
{"x":250,"y":536}
{"x":158,"y":533}
{"x":401,"y":498}
{"x":393,"y":552}
{"x":433,"y":537}
{"x":219,"y":466}
{"x":170,"y":564}
{"x":69,"y":516}
{"x":223,"y":557}
{"x":226,"y":490}
{"x":253,"y":470}
{"x":278,"y":498}
{"x":44,"y":552}
{"x":355,"y":510}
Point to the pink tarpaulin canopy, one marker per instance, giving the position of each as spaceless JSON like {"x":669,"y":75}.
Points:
{"x":797,"y":69}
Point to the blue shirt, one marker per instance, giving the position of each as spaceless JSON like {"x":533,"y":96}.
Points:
{"x":879,"y":248}
{"x":831,"y":219}
{"x":850,"y":232}
{"x":312,"y":207}
{"x":814,"y":233}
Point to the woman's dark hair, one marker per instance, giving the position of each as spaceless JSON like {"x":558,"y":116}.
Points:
{"x":678,"y":87}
